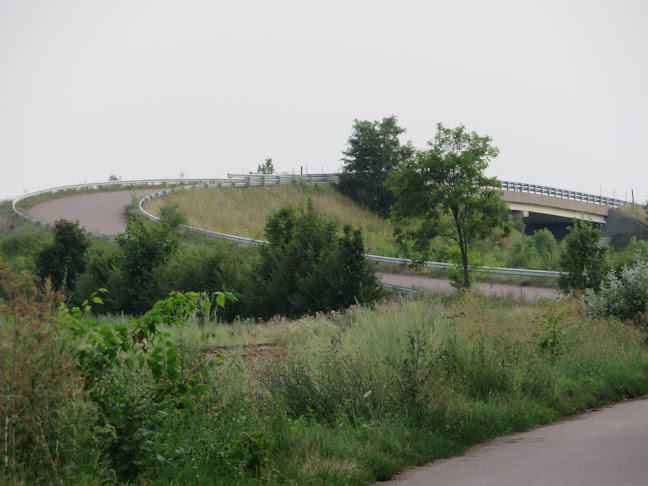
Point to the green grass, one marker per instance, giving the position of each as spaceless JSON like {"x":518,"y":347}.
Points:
{"x":492,"y":378}
{"x":244,"y":211}
{"x":637,"y":213}
{"x":352,"y":398}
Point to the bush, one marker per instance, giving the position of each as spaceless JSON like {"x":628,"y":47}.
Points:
{"x":142,"y":249}
{"x":172,"y":215}
{"x":306,"y":268}
{"x":212,"y":265}
{"x":623,"y":295}
{"x":65,"y":258}
{"x":582,"y":258}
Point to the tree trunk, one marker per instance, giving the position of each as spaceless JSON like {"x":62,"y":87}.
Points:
{"x":464,"y":261}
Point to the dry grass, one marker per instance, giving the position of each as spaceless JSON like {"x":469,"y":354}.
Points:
{"x":244,"y":211}
{"x":637,"y":213}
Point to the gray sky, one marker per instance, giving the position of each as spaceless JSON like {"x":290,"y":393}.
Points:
{"x":150,"y":89}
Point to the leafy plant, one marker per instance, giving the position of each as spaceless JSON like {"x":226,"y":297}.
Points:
{"x":623,"y":295}
{"x":553,"y":328}
{"x":172,"y":215}
{"x":143,"y":248}
{"x":306,"y":267}
{"x":582,"y":258}
{"x":443,"y":192}
{"x":373,"y":152}
{"x":65,"y":258}
{"x":39,"y":387}
{"x":135,"y":375}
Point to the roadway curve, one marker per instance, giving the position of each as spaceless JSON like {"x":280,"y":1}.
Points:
{"x":99,"y":212}
{"x":103,"y":212}
{"x":600,"y":447}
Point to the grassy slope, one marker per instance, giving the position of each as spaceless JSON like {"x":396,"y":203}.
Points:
{"x":243,"y":212}
{"x":637,"y":213}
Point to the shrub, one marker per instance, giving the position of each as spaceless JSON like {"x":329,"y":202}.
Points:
{"x":306,"y":267}
{"x":623,"y":295}
{"x":65,"y":258}
{"x":172,"y":215}
{"x":135,"y":375}
{"x":143,"y":249}
{"x":582,"y":258}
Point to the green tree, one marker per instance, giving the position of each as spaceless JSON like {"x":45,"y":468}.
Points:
{"x":582,"y":258}
{"x":443,"y":192}
{"x":306,"y":268}
{"x":373,"y":151}
{"x":143,"y":248}
{"x":65,"y":258}
{"x":266,"y":168}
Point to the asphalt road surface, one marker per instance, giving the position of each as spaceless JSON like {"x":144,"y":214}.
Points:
{"x":602,"y":447}
{"x":438,"y":284}
{"x":99,"y":212}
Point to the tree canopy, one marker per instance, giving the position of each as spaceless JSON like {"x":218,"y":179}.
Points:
{"x":266,"y":168}
{"x":373,"y":151}
{"x":583,"y":258}
{"x":306,"y":267}
{"x":65,"y":258}
{"x":443,"y":191}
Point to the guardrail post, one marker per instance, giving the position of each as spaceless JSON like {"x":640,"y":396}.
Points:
{"x":249,"y":182}
{"x":263,"y":180}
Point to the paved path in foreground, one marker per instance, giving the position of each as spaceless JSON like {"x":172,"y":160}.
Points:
{"x":103,"y":212}
{"x":602,"y":447}
{"x":99,"y":212}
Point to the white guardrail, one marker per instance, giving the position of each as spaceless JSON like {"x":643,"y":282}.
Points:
{"x":249,"y":180}
{"x":562,"y":193}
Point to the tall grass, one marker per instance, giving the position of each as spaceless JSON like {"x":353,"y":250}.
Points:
{"x":352,"y":398}
{"x":637,"y":213}
{"x":330,"y":399}
{"x":244,"y":211}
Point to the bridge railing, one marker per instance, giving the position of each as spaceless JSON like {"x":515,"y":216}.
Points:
{"x":562,"y":193}
{"x":278,"y":179}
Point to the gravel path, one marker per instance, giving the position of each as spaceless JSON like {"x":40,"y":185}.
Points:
{"x":602,"y":447}
{"x":99,"y":212}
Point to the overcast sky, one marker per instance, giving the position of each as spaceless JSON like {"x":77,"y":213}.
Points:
{"x":152,"y":89}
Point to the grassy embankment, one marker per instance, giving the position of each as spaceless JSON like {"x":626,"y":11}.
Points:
{"x":637,"y":213}
{"x":244,"y":211}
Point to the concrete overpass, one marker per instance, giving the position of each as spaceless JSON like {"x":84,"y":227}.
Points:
{"x":555,"y":209}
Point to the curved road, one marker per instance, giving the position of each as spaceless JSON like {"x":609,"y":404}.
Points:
{"x":601,"y":447}
{"x":103,"y":212}
{"x":99,"y":212}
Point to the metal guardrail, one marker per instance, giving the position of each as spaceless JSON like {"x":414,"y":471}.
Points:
{"x":496,"y":270}
{"x":96,"y":186}
{"x":248,"y":180}
{"x":375,"y":258}
{"x":402,"y":290}
{"x":562,"y":193}
{"x":278,"y":179}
